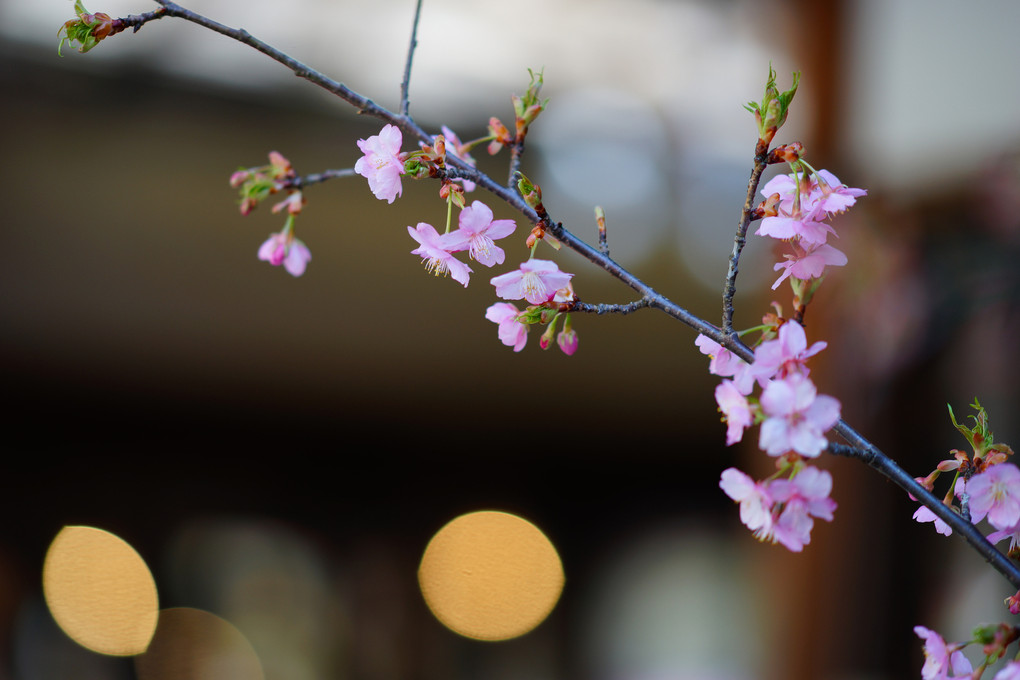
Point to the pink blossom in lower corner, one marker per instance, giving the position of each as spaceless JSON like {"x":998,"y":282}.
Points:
{"x":940,"y":658}
{"x":995,"y":493}
{"x":1010,"y":671}
{"x":537,"y":281}
{"x":796,"y":417}
{"x":381,"y":165}
{"x":283,"y":248}
{"x":512,"y":332}
{"x":435,"y":252}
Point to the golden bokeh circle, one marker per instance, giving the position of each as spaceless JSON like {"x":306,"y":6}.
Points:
{"x":490,"y":575}
{"x":100,"y":591}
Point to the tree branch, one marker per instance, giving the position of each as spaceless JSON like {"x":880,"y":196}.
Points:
{"x":862,"y":450}
{"x":859,"y":446}
{"x":761,"y":151}
{"x":406,"y":84}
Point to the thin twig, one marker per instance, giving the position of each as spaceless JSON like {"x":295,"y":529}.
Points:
{"x":316,"y":178}
{"x":730,"y":289}
{"x":406,"y":84}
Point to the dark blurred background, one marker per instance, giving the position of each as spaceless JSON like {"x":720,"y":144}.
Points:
{"x":216,"y":413}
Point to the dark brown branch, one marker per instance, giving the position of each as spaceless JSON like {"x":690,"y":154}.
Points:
{"x":601,"y":309}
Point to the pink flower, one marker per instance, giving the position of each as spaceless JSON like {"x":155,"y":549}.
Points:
{"x":476,"y":232}
{"x":1012,"y":533}
{"x":512,"y":332}
{"x":567,"y":341}
{"x":381,"y":164}
{"x":799,"y":225}
{"x":809,"y":263}
{"x":831,"y":195}
{"x":923,"y":514}
{"x":284,"y":249}
{"x":797,"y":417}
{"x":1010,"y":671}
{"x":938,"y":657}
{"x":755,"y":501}
{"x":735,"y":409}
{"x":435,"y":252}
{"x":803,"y":497}
{"x":996,"y":493}
{"x":726,"y":364}
{"x":785,"y":355}
{"x":536,"y":281}
{"x":455,"y":147}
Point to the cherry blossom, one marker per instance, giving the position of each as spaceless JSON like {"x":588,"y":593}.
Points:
{"x":537,"y":281}
{"x":436,"y":252}
{"x":726,"y":364}
{"x":512,"y":332}
{"x":923,"y":514}
{"x":567,"y":340}
{"x":735,"y":409}
{"x":455,"y":147}
{"x":809,"y":263}
{"x":476,"y":232}
{"x":755,"y":501}
{"x":800,"y":225}
{"x":833,"y":196}
{"x":803,"y":497}
{"x":381,"y":164}
{"x":784,"y":355}
{"x":938,"y":657}
{"x":797,"y":417}
{"x":996,"y":493}
{"x":1010,"y":671}
{"x":283,"y":248}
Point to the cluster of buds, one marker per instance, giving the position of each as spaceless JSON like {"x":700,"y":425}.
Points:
{"x":527,"y":107}
{"x":771,"y":112}
{"x":87,"y":29}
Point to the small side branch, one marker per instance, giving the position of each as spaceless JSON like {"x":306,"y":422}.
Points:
{"x":601,"y":309}
{"x":730,"y":289}
{"x":406,"y":84}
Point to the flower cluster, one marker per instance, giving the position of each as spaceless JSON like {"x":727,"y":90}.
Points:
{"x":540,"y":282}
{"x":781,"y":510}
{"x":984,"y":477}
{"x":793,"y":419}
{"x":944,"y":661}
{"x":795,"y":211}
{"x":257,"y":184}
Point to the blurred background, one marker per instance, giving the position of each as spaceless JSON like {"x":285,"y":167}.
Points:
{"x":280,"y":450}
